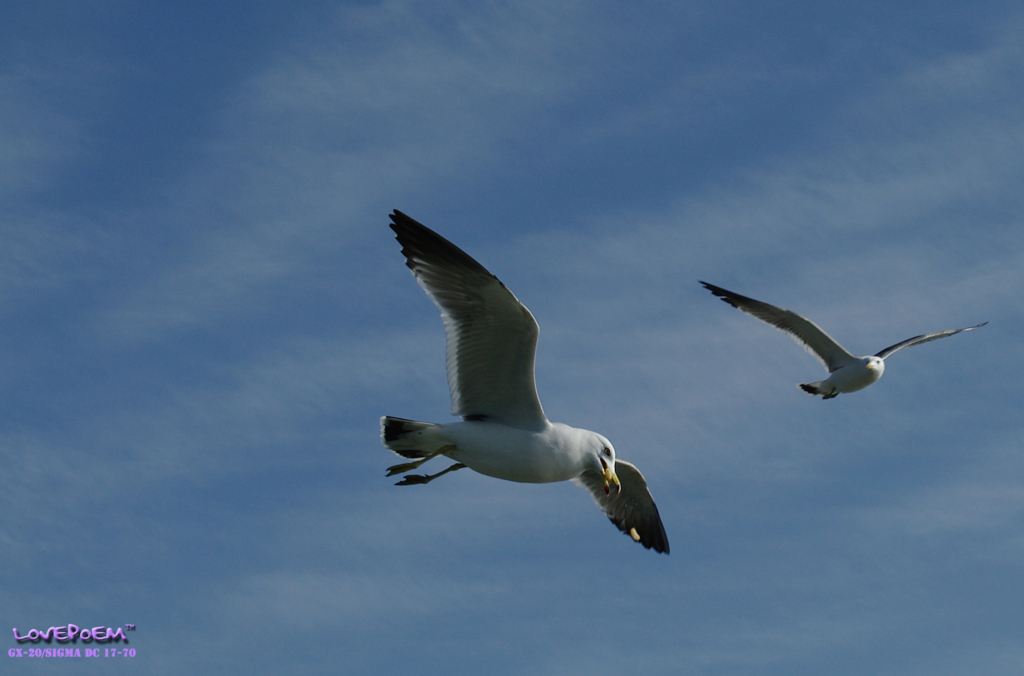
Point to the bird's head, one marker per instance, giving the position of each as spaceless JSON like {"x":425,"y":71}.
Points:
{"x":603,"y":454}
{"x":875,"y":365}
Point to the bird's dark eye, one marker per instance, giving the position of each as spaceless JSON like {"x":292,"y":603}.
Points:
{"x":608,"y":451}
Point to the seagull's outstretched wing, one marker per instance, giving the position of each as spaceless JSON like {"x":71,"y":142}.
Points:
{"x":491,"y":336}
{"x":631,"y":508}
{"x":917,"y":340}
{"x":802,"y":330}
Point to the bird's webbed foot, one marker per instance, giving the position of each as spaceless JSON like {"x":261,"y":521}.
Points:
{"x":407,"y":466}
{"x":413,"y":479}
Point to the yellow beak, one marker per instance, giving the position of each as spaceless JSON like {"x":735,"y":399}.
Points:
{"x":610,"y":478}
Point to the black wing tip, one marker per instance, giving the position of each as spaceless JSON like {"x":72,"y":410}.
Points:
{"x":401,"y":223}
{"x":652,"y":537}
{"x":726,"y":295}
{"x":420,"y":242}
{"x":407,"y":226}
{"x":659,"y":539}
{"x":658,"y":543}
{"x":969,"y":328}
{"x":717,"y":290}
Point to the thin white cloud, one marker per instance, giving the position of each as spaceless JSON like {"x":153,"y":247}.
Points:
{"x":36,"y":137}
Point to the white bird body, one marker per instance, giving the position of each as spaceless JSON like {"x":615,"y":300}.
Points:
{"x":850,"y":378}
{"x":555,"y":453}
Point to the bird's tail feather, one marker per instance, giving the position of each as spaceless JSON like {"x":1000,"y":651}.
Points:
{"x":816,"y":388}
{"x":405,"y":437}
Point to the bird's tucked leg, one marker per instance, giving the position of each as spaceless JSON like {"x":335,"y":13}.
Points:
{"x":406,"y":466}
{"x":411,"y":479}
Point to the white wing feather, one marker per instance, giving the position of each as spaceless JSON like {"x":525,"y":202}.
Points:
{"x":917,"y":340}
{"x":805,"y":332}
{"x":491,"y":336}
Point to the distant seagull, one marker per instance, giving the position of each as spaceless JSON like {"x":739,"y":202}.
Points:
{"x":847,"y":373}
{"x":492,"y":339}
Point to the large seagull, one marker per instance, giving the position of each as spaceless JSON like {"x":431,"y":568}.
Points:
{"x":847,"y":373}
{"x":491,"y":341}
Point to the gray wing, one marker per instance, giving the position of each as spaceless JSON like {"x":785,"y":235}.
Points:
{"x":491,"y":336}
{"x":802,"y":330}
{"x":632,"y":508}
{"x":917,"y":340}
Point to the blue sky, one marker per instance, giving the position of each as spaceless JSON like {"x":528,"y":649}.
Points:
{"x":204,"y":315}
